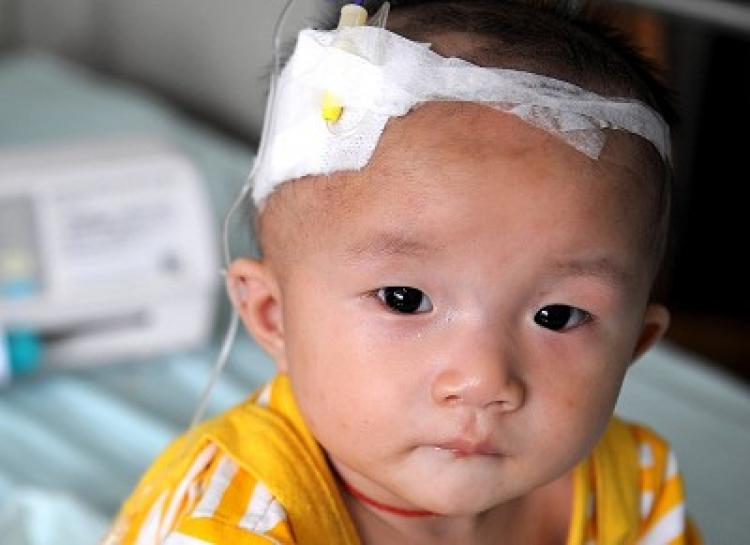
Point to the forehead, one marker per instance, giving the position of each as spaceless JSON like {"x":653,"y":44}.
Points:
{"x":454,"y":175}
{"x":454,"y":156}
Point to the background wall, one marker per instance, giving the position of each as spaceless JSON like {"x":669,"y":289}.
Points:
{"x":212,"y":56}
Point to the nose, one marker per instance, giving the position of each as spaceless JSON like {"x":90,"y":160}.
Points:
{"x":483,"y":377}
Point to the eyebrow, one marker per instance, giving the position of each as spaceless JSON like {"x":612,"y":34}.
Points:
{"x":385,"y":244}
{"x":604,"y":268}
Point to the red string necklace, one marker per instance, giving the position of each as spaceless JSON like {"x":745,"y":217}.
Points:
{"x":387,"y":508}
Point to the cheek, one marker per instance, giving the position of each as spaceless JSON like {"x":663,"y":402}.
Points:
{"x":345,"y":381}
{"x":573,"y":396}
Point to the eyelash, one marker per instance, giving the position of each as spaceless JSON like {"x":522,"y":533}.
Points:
{"x":405,"y":297}
{"x":585,"y":317}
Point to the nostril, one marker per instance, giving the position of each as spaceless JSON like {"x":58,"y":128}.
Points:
{"x":453,"y":398}
{"x":500,"y":404}
{"x":511,"y":401}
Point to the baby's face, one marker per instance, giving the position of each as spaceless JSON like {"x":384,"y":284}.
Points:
{"x":458,"y":328}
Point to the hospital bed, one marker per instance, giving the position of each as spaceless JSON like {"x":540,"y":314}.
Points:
{"x":72,"y":444}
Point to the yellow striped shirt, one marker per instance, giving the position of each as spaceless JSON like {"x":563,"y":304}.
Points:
{"x":216,"y":500}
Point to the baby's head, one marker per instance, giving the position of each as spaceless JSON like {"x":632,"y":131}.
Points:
{"x":457,"y":317}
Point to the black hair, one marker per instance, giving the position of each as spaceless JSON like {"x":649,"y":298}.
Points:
{"x":559,"y":38}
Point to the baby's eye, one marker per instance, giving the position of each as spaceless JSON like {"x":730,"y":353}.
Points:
{"x":405,"y":300}
{"x":560,"y":317}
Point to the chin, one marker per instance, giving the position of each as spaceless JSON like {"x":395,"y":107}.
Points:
{"x":452,"y":499}
{"x":456,"y":507}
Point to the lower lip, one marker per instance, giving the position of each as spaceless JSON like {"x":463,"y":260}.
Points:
{"x":463,"y":454}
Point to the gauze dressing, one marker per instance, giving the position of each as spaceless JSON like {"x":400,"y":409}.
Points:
{"x":340,"y":87}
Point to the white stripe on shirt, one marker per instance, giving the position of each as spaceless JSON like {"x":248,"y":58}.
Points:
{"x":263,"y":511}
{"x":218,"y":484}
{"x":669,"y":527}
{"x":672,"y":469}
{"x":264,"y":399}
{"x":647,"y":501}
{"x":149,"y":531}
{"x":200,"y":462}
{"x":176,"y":538}
{"x":646,"y":456}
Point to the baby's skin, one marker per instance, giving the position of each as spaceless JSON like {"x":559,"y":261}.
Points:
{"x":457,"y":318}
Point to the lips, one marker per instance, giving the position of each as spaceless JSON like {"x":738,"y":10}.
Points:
{"x":464,"y":448}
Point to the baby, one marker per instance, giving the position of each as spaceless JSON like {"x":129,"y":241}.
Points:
{"x":451,"y":325}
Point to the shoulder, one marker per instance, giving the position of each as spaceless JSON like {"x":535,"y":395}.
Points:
{"x":657,"y":464}
{"x":195,"y":493}
{"x":638,"y":441}
{"x":214,"y":501}
{"x":655,"y":456}
{"x":661,"y":489}
{"x":231,"y":506}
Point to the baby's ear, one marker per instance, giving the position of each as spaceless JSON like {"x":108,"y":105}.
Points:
{"x":256,"y":295}
{"x":655,"y":325}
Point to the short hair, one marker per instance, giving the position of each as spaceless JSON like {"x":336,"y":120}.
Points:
{"x":554,"y":38}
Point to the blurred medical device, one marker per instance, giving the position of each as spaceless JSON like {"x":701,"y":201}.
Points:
{"x":107,"y":252}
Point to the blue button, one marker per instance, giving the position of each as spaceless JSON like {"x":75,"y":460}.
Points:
{"x":24,"y":346}
{"x":25,"y":350}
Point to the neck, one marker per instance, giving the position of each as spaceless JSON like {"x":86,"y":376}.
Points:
{"x":378,"y":527}
{"x":516,"y":521}
{"x":397,"y":511}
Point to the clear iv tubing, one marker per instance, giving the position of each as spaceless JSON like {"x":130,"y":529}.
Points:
{"x":231,"y":333}
{"x":379,"y":20}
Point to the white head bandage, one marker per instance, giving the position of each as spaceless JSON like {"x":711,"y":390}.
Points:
{"x":339,"y":89}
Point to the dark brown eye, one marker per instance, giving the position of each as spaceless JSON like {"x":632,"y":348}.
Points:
{"x":405,"y":300}
{"x":561,"y":317}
